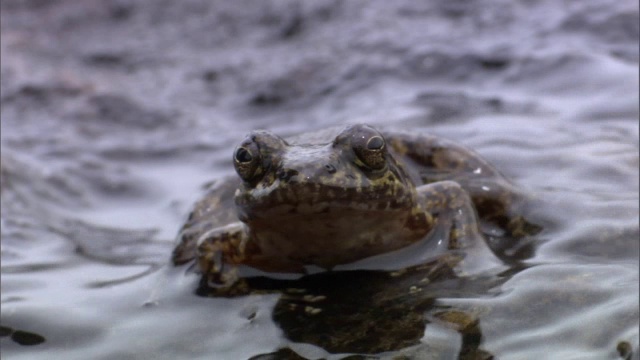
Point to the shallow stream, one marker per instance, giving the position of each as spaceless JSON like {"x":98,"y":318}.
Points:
{"x":115,"y":114}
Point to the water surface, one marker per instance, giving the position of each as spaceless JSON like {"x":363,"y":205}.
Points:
{"x":116,"y":114}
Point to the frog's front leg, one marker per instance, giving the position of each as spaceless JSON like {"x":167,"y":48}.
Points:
{"x":226,"y":245}
{"x":453,"y":211}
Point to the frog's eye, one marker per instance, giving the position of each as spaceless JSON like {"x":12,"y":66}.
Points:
{"x":253,"y":157}
{"x":243,"y":155}
{"x":246,"y":159}
{"x":370,"y":149}
{"x":375,"y":143}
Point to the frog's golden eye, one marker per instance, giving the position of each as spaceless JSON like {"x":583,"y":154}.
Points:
{"x":246,"y":159}
{"x":371,"y":150}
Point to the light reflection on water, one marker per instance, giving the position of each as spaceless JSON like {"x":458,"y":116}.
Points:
{"x":91,"y":203}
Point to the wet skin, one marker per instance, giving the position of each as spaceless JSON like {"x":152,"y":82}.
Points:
{"x":329,"y":199}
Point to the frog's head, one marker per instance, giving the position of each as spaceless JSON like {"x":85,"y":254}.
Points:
{"x":354,"y":171}
{"x":348,"y":187}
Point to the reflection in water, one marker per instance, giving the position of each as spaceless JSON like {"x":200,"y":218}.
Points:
{"x":24,"y":338}
{"x":370,"y":312}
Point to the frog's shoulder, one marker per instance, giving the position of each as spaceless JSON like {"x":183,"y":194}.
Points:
{"x":214,"y":210}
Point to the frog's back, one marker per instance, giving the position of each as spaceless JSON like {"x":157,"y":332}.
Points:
{"x":429,"y":158}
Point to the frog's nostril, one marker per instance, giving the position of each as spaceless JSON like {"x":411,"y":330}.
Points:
{"x":330,"y":168}
{"x":286,"y":174}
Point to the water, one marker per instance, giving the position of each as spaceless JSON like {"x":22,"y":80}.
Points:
{"x":115,"y":114}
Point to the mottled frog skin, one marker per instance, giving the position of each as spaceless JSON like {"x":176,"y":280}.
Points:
{"x":330,"y":198}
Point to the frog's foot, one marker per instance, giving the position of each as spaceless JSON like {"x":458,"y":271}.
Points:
{"x":454,"y":210}
{"x":218,"y":248}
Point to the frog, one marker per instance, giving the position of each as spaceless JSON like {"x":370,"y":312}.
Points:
{"x":338,"y":196}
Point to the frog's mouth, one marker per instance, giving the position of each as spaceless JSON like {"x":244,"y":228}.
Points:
{"x":287,"y":200}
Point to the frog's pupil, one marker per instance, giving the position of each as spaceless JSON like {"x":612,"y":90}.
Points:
{"x":375,"y":143}
{"x":243,"y":156}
